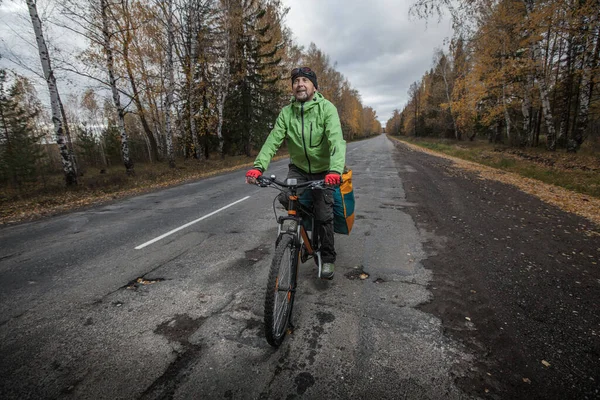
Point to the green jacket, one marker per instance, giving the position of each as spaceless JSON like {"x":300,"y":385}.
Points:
{"x":313,"y":134}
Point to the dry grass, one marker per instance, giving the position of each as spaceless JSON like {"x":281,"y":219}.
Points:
{"x":513,"y":167}
{"x":51,"y":197}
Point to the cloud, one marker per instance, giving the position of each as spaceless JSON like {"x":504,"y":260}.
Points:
{"x":375,"y":44}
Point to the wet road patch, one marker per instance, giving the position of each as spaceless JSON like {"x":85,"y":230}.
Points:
{"x":257,"y":254}
{"x":180,"y":328}
{"x":303,"y":381}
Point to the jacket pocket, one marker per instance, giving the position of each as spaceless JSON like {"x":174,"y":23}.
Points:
{"x":316,"y":135}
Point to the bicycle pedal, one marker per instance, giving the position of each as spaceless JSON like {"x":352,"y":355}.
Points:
{"x":304,"y":254}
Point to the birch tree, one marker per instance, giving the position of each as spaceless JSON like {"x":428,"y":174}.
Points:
{"x":69,"y":168}
{"x":127,"y":30}
{"x":191,"y":73}
{"x":104,"y":11}
{"x":223,"y":74}
{"x":170,"y":84}
{"x":198,"y":48}
{"x":445,"y":71}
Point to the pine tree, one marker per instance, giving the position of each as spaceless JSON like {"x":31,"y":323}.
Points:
{"x":20,"y":149}
{"x":252,"y":105}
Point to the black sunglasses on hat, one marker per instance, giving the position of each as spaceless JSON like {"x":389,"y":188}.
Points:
{"x":306,"y":72}
{"x":302,"y":70}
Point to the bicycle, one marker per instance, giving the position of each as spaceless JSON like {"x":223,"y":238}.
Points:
{"x":295,"y":243}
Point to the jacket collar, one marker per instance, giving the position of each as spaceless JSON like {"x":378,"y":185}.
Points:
{"x":317,"y":98}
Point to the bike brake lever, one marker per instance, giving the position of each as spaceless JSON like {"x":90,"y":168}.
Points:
{"x":263,"y":182}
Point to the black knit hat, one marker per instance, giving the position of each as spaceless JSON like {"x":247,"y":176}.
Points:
{"x":307,"y":73}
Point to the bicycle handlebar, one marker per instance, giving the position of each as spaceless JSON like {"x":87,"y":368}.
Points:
{"x":264,"y":181}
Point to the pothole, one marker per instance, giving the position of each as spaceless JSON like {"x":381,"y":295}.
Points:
{"x":356,"y":273}
{"x":141,"y":281}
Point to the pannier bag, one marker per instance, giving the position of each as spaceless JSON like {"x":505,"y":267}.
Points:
{"x":343,"y":205}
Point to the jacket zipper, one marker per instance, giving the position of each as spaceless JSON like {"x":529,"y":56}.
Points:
{"x":303,"y":139}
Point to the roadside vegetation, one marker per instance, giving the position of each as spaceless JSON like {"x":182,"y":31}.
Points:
{"x":579,"y":172}
{"x":569,"y":183}
{"x":50,"y":196}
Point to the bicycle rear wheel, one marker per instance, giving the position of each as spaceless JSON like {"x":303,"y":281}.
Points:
{"x":281,"y":288}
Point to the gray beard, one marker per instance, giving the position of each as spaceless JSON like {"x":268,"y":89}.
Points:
{"x":305,"y":99}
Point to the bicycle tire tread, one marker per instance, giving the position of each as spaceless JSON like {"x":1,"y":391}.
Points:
{"x":284,"y":243}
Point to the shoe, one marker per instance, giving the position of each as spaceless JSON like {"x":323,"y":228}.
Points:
{"x":327,"y":271}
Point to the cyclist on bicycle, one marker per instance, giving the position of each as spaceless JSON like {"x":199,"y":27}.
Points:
{"x":311,"y":126}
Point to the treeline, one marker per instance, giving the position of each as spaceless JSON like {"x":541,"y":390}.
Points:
{"x":520,"y":72}
{"x":181,"y":78}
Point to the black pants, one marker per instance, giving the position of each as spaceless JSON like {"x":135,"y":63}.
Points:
{"x":322,"y":207}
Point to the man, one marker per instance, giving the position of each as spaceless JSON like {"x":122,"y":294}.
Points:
{"x":311,"y":126}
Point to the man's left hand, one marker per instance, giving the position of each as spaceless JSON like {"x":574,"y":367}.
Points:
{"x":333,"y":179}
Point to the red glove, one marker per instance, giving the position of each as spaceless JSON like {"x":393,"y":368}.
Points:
{"x":252,"y":174}
{"x":333,"y":179}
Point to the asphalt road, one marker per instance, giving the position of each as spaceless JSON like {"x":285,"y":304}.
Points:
{"x":76,"y":323}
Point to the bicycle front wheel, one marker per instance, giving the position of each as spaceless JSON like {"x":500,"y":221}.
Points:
{"x":281,"y":288}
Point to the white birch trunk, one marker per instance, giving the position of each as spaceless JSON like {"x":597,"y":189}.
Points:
{"x":547,"y":113}
{"x":67,"y":163}
{"x":448,"y":97}
{"x":541,"y":79}
{"x":507,"y":120}
{"x":198,"y":153}
{"x":526,"y":109}
{"x":224,"y":79}
{"x":170,"y":85}
{"x":220,"y":107}
{"x":115,"y":93}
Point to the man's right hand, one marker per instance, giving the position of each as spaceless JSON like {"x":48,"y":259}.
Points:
{"x":252,"y":175}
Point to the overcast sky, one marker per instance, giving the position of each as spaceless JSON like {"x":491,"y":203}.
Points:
{"x":376,"y":45}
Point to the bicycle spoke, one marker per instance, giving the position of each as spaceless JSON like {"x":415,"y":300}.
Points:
{"x":281,"y":298}
{"x":280,"y":291}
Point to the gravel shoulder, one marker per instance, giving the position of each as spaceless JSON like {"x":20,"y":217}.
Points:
{"x":516,"y":280}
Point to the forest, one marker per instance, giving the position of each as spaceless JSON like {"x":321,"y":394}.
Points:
{"x":170,"y":80}
{"x":523,"y":73}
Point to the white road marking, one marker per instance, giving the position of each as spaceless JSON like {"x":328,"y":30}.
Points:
{"x":141,"y":246}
